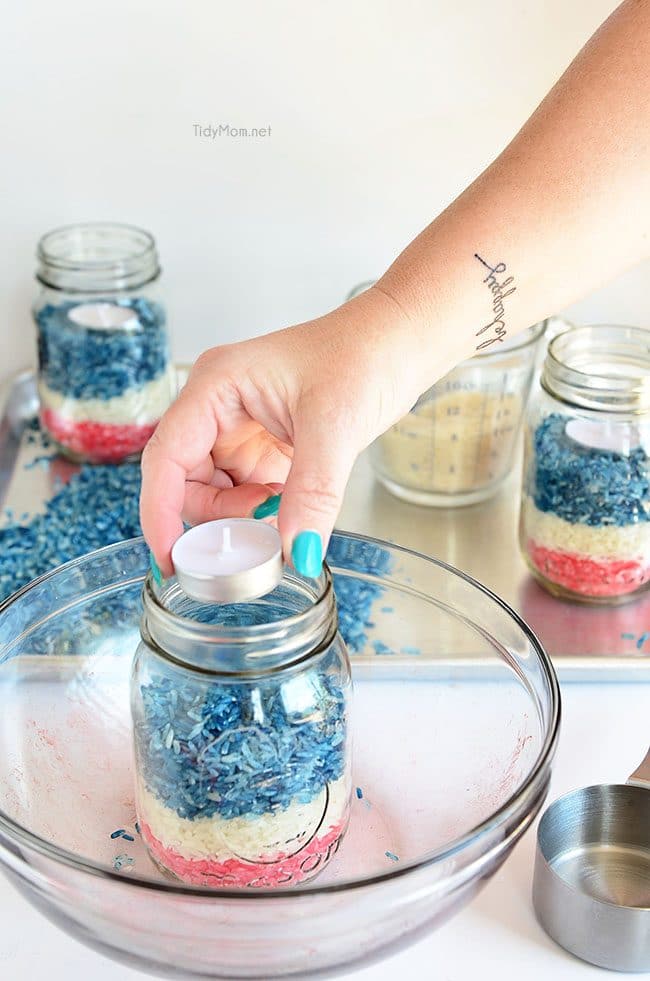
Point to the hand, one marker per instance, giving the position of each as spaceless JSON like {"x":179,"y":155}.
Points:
{"x":287,"y":410}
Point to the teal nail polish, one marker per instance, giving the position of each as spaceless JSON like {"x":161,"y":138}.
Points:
{"x":268,"y":507}
{"x":155,"y":571}
{"x":307,"y":554}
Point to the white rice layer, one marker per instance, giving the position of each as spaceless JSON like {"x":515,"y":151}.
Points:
{"x":136,"y":406}
{"x":262,"y":837}
{"x":607,"y":542}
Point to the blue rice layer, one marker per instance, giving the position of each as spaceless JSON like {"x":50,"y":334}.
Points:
{"x":585,"y":485}
{"x":204,"y":751}
{"x":86,"y":363}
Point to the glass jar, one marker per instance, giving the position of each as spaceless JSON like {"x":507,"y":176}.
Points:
{"x":241,"y":734}
{"x":457,"y":445}
{"x":105,"y":376}
{"x":585,"y":512}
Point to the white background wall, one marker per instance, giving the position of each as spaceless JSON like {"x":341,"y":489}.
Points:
{"x":381,"y":112}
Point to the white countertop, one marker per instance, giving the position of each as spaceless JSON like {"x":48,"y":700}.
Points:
{"x":605,"y":733}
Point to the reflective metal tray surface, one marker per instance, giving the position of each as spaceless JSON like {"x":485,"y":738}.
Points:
{"x":586,"y":643}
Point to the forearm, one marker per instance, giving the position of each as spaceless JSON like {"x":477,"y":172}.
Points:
{"x":563,"y":209}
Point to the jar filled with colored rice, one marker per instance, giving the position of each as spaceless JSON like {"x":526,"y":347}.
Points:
{"x":585,"y":512}
{"x":105,"y":376}
{"x":241,"y":730}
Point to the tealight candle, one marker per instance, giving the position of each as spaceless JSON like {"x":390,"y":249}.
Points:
{"x":107,"y":315}
{"x":230,"y":560}
{"x":604,"y":435}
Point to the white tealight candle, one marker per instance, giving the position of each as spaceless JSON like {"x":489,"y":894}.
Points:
{"x":104,"y":315}
{"x":603,"y":435}
{"x":231,"y":560}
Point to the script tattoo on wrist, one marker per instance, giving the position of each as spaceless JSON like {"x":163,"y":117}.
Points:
{"x":499,"y":291}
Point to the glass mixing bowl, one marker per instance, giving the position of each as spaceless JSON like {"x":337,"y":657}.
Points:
{"x":455,"y":720}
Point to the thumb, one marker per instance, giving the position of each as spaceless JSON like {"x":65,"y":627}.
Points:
{"x":323,"y":457}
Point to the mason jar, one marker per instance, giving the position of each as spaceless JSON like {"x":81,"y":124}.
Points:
{"x":457,"y":444}
{"x":585,"y":511}
{"x":241,"y":728}
{"x":104,"y":371}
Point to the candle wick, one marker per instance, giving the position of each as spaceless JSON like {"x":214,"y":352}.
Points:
{"x":226,"y":543}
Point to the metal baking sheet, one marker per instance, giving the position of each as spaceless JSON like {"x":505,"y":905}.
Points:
{"x":586,"y":643}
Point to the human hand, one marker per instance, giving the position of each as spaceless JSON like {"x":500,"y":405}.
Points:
{"x":290,"y":410}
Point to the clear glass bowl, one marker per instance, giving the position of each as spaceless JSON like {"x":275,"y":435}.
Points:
{"x":455,"y":721}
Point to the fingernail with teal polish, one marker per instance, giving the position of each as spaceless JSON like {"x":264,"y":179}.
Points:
{"x":155,"y":571}
{"x":268,"y":507}
{"x":307,"y":554}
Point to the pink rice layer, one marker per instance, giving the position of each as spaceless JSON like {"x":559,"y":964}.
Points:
{"x":234,"y":873}
{"x":98,"y":442}
{"x":586,"y":575}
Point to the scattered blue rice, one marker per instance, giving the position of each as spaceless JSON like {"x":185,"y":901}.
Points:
{"x":381,"y":648}
{"x":359,"y":793}
{"x":123,"y":862}
{"x":236,"y":749}
{"x":392,"y":856}
{"x":122,"y":833}
{"x":355,"y":597}
{"x":585,"y":485}
{"x":98,"y":506}
{"x":86,"y":363}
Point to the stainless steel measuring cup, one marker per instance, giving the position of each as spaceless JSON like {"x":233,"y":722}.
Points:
{"x":591,"y":888}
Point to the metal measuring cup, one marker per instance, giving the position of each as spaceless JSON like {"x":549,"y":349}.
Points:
{"x":591,"y":888}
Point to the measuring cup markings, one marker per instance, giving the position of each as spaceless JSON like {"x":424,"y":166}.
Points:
{"x":457,"y":439}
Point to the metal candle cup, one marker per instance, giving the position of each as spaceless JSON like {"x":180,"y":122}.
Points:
{"x":230,"y":560}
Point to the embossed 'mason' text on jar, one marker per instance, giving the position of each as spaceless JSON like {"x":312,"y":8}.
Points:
{"x":242,"y":734}
{"x":585,"y":513}
{"x":105,"y":376}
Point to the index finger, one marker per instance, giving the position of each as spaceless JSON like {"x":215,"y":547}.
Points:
{"x":182,"y":441}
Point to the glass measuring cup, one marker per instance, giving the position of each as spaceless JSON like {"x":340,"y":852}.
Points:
{"x":456,"y":446}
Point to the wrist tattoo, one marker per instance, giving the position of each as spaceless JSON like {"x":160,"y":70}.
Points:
{"x":497,"y":326}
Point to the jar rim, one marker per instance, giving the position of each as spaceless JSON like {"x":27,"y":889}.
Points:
{"x":600,"y":347}
{"x":129,"y":259}
{"x":285,"y":641}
